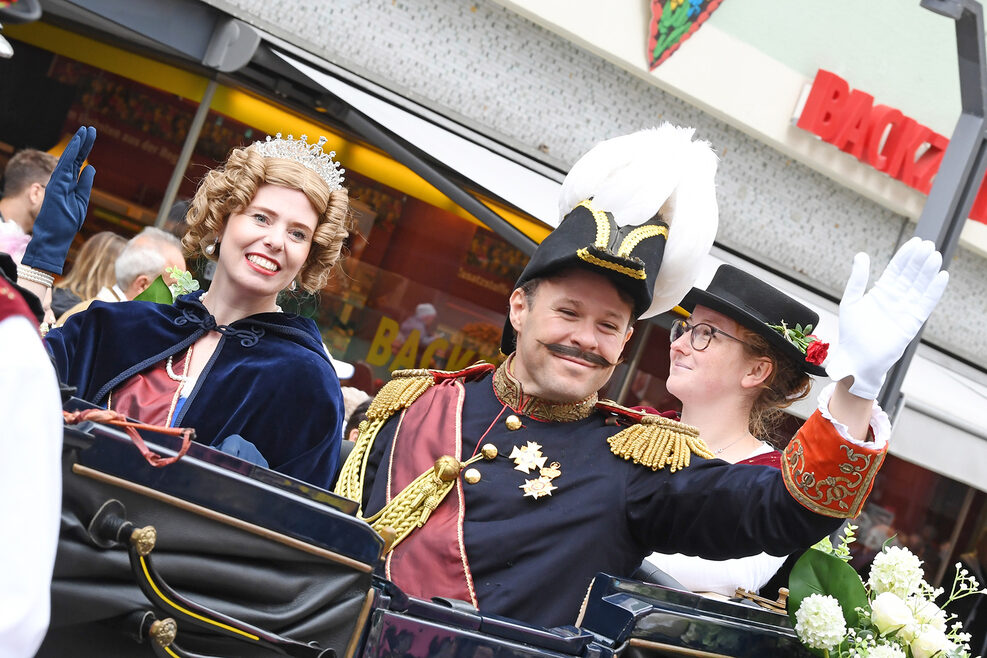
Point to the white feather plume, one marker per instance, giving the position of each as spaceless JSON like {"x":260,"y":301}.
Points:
{"x":633,"y":177}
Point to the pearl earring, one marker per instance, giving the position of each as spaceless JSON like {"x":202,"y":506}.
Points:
{"x":211,"y":248}
{"x":294,"y":286}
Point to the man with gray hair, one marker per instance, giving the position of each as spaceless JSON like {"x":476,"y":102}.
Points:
{"x":146,"y":257}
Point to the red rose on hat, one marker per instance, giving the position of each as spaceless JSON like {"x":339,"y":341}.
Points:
{"x":816,"y":352}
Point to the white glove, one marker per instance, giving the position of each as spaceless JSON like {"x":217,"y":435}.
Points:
{"x":875,"y":328}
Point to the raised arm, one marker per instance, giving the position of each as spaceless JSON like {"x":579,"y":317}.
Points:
{"x":877,"y":325}
{"x":60,"y":218}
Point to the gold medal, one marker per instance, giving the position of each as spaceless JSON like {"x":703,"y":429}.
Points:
{"x":542,"y":486}
{"x":538,"y":487}
{"x":552,"y":471}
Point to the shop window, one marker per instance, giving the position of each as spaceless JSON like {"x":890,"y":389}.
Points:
{"x":405,"y":256}
{"x":140,"y":130}
{"x":408,"y":258}
{"x":921,"y":510}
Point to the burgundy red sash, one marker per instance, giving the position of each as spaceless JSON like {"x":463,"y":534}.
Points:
{"x":431,"y":561}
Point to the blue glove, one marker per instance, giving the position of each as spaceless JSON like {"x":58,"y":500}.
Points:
{"x":64,"y":207}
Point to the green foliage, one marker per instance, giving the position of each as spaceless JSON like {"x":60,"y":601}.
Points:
{"x":184,"y":283}
{"x":842,"y":550}
{"x":160,"y":292}
{"x":157,"y":292}
{"x":817,"y":572}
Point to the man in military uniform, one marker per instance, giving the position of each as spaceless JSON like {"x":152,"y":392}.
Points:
{"x":511,"y":487}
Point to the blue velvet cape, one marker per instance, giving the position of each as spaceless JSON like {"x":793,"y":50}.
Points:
{"x":269,"y":380}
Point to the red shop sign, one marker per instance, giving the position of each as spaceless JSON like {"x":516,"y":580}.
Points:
{"x":878,"y":135}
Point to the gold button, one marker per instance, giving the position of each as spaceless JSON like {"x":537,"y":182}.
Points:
{"x":472,"y":476}
{"x":513,"y":422}
{"x":489,"y":451}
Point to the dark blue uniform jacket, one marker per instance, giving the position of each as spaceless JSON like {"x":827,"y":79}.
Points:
{"x":533,"y":559}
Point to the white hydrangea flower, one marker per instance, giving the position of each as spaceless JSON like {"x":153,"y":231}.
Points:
{"x":819,"y":622}
{"x":896,"y":570}
{"x":927,"y":613}
{"x":886,"y":651}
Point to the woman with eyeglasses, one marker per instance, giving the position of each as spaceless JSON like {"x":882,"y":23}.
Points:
{"x":745,"y":353}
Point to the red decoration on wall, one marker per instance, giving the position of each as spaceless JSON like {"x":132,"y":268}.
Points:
{"x":672,"y":22}
{"x":878,"y":135}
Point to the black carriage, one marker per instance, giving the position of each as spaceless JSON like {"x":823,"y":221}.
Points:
{"x":213,"y":556}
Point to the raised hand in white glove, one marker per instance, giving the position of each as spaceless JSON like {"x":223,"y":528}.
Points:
{"x":876,"y":327}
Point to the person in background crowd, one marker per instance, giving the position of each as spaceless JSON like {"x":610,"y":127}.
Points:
{"x":145,"y":257}
{"x":353,"y":398}
{"x":249,"y":379}
{"x":734,"y":364}
{"x":456,"y":462}
{"x":30,"y":472}
{"x":422,"y":321}
{"x":24,"y":182}
{"x":93,"y":270}
{"x":353,"y":421}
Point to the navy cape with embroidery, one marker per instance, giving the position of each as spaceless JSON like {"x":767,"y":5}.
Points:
{"x":269,"y":380}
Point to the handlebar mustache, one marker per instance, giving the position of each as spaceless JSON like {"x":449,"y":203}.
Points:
{"x":569,"y":350}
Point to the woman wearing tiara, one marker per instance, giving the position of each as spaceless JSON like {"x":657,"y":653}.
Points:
{"x":248,"y":378}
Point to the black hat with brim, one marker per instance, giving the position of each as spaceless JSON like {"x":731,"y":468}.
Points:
{"x":590,"y":239}
{"x":756,"y":305}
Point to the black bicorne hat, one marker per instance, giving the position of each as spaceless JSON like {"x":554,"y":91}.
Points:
{"x":639,"y":209}
{"x":785,"y":323}
{"x":589,"y":238}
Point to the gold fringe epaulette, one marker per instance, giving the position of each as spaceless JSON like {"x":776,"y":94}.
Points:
{"x":405,"y":387}
{"x":655,"y":441}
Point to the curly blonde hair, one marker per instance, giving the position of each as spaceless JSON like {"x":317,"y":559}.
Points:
{"x":230,"y":188}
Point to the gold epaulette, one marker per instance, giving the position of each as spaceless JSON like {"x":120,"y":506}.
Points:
{"x":405,"y":387}
{"x":654,"y":441}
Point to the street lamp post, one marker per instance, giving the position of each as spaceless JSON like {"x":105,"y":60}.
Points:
{"x":963,"y":165}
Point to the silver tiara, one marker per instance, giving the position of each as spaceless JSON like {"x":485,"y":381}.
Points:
{"x":308,"y":155}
